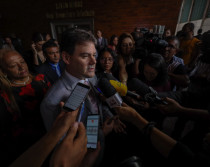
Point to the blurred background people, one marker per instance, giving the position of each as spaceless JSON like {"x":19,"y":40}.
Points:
{"x":8,"y":43}
{"x":35,"y":56}
{"x":53,"y":67}
{"x":199,"y":34}
{"x":101,"y":41}
{"x":113,"y":43}
{"x":189,"y":46}
{"x":167,"y":33}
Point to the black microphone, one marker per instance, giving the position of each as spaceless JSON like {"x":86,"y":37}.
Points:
{"x":146,"y":92}
{"x":120,"y":87}
{"x":113,"y":99}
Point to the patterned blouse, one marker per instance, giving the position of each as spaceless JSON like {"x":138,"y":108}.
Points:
{"x":21,"y":130}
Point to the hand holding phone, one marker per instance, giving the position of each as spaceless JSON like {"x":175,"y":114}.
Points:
{"x":92,"y":131}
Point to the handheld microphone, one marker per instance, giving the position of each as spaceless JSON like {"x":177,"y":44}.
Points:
{"x":113,"y":99}
{"x":121,"y":88}
{"x":148,"y":93}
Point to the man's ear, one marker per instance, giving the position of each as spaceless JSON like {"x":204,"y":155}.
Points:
{"x":66,"y":57}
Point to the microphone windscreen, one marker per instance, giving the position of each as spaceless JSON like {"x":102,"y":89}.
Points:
{"x":109,"y":76}
{"x":138,"y":86}
{"x":105,"y":86}
{"x":120,"y":87}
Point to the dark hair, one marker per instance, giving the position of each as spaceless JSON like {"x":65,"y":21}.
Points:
{"x":45,"y":35}
{"x":112,"y":53}
{"x":191,"y":26}
{"x":48,"y":44}
{"x":157,"y":62}
{"x":199,"y":31}
{"x":173,"y":38}
{"x":37,"y":36}
{"x":112,"y":39}
{"x":72,"y":37}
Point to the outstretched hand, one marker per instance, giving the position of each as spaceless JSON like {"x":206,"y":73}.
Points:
{"x":172,"y":108}
{"x":125,"y":112}
{"x":72,"y":149}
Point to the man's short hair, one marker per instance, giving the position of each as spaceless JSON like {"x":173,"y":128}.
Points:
{"x":173,"y":38}
{"x":72,"y":37}
{"x":48,"y":44}
{"x":191,"y":26}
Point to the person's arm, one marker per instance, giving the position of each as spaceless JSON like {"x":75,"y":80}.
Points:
{"x":72,"y":149}
{"x":38,"y":152}
{"x":136,"y":67}
{"x":35,"y":54}
{"x":173,"y":108}
{"x":123,"y":75}
{"x":181,"y":80}
{"x":162,"y":142}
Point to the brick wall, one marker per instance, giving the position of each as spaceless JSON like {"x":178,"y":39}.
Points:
{"x":24,"y":17}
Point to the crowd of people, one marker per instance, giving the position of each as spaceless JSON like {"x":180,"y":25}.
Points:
{"x":35,"y":84}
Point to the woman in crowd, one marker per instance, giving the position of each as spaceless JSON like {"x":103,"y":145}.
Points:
{"x":153,"y":72}
{"x":125,"y":50}
{"x":113,"y":43}
{"x":106,"y":63}
{"x":35,"y":56}
{"x":20,"y":97}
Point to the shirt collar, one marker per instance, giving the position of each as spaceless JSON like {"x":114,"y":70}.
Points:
{"x":53,"y":65}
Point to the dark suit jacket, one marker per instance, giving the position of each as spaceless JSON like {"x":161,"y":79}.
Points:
{"x":49,"y":73}
{"x":103,"y":44}
{"x":60,"y":91}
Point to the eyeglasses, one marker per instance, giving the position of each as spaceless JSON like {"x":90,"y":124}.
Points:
{"x":107,"y":59}
{"x":126,"y":45}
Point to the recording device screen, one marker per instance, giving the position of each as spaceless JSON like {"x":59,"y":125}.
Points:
{"x":76,"y":97}
{"x":92,"y":131}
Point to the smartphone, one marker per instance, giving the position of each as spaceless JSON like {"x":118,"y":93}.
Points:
{"x":92,"y":131}
{"x":77,"y":96}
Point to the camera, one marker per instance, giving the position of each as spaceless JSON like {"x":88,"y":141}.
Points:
{"x":154,"y":44}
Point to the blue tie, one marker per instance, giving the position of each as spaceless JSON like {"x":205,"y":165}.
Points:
{"x":57,"y":70}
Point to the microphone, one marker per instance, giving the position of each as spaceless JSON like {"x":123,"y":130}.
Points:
{"x":148,"y":93}
{"x":113,"y":99}
{"x":121,"y":88}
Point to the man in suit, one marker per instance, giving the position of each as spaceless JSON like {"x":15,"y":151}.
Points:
{"x":101,"y":41}
{"x":53,"y":66}
{"x":78,"y":53}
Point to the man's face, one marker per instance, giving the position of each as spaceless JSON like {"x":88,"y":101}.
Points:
{"x":53,"y":55}
{"x":170,"y":50}
{"x":99,"y":34}
{"x":81,"y":64}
